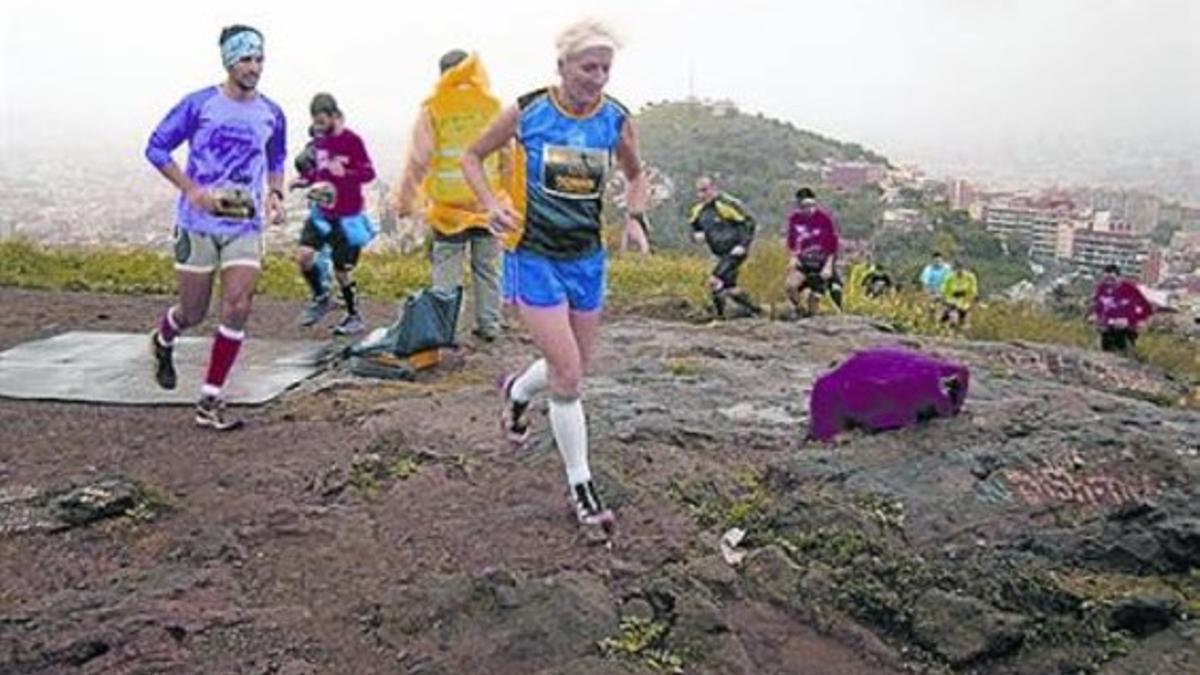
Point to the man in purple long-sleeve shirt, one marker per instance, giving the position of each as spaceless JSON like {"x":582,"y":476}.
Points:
{"x":338,"y":168}
{"x":237,"y":141}
{"x":812,"y":241}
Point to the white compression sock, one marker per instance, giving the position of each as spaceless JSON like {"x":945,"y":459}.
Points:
{"x":531,"y":382}
{"x":570,"y":434}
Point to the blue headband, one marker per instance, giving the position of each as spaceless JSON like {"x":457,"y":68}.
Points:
{"x":241,"y":45}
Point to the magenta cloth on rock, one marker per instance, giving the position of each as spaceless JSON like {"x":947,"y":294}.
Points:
{"x":887,"y":388}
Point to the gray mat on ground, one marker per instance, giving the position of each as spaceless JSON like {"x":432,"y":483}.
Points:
{"x":117,"y":368}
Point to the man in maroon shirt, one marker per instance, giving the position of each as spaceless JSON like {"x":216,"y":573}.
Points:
{"x":338,"y":169}
{"x":1119,"y":310}
{"x":812,"y":241}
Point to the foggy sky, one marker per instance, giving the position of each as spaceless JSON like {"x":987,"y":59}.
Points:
{"x":913,"y":78}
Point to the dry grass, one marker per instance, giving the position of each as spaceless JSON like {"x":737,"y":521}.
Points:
{"x":633,"y":279}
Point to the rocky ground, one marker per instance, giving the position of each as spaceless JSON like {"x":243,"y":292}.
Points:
{"x":363,"y":527}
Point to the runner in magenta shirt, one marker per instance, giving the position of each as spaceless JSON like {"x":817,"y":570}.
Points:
{"x":338,"y":169}
{"x":812,"y":241}
{"x":1119,"y":310}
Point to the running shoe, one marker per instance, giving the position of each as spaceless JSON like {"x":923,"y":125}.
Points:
{"x":512,"y":418}
{"x":486,"y":334}
{"x":588,"y":507}
{"x":351,"y":325}
{"x":164,"y":362}
{"x":210,"y":412}
{"x":316,"y":310}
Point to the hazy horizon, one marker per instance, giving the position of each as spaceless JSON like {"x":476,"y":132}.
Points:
{"x":982,"y":85}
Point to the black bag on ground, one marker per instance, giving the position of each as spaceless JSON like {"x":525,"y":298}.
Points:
{"x":428,"y":320}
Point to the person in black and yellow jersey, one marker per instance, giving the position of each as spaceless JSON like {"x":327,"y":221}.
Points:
{"x":554,"y":271}
{"x":722,"y":221}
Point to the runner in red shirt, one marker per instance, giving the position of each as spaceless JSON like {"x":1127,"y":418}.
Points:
{"x":339,"y":168}
{"x":812,"y":241}
{"x":1119,"y":310}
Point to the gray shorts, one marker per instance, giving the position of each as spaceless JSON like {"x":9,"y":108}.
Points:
{"x":206,"y":253}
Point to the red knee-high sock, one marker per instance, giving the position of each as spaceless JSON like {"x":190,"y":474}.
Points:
{"x":168,"y":328}
{"x":226,"y":345}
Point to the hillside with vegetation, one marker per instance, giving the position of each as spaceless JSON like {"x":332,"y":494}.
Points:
{"x":759,"y":159}
{"x":998,"y":264}
{"x":763,"y":161}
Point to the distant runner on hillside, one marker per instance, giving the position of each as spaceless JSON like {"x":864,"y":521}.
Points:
{"x":934,"y":274}
{"x":722,"y":221}
{"x":1119,"y":310}
{"x":237,"y":144}
{"x":959,"y":291}
{"x":876,"y":281}
{"x":812,"y":241}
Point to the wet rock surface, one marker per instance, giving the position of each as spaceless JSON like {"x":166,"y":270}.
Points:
{"x":964,"y":630}
{"x":25,"y":509}
{"x":1053,"y":526}
{"x":1144,"y":615}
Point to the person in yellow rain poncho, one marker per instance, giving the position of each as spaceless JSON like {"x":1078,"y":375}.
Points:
{"x":456,"y":114}
{"x":959,"y":290}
